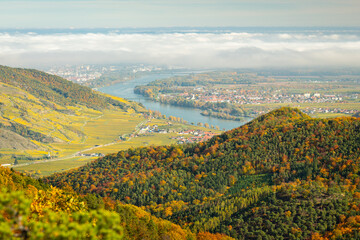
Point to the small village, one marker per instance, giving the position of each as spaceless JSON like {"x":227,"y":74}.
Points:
{"x":90,"y":155}
{"x":237,"y":96}
{"x":186,"y":136}
{"x":248,"y":97}
{"x":192,"y":136}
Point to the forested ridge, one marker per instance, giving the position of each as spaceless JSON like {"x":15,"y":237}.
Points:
{"x":283,"y":175}
{"x":31,"y":209}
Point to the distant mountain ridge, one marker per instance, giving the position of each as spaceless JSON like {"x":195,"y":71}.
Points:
{"x":283,"y":175}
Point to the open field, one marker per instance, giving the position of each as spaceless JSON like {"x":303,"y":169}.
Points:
{"x":102,"y":130}
{"x":329,"y":115}
{"x":320,"y":110}
{"x":142,"y":141}
{"x":99,"y":130}
{"x":109,"y":127}
{"x":349,"y":105}
{"x":48,"y":168}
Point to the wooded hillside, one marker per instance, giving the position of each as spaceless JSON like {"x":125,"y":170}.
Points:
{"x":284,"y":175}
{"x":30,"y":209}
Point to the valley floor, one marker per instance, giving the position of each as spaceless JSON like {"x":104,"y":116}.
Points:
{"x":109,"y":132}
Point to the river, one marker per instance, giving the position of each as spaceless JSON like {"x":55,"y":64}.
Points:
{"x":126,"y":90}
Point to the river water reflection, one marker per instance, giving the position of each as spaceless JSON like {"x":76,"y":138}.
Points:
{"x":126,"y":90}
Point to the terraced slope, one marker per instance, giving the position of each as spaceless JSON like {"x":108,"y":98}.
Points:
{"x":44,"y":116}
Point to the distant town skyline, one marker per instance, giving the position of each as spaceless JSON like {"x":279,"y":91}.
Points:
{"x":167,"y":13}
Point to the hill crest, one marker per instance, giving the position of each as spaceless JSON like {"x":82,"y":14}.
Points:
{"x":55,"y":89}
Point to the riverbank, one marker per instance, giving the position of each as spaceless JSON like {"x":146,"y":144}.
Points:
{"x":192,"y":116}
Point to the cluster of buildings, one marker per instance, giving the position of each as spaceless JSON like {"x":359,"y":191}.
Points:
{"x":151,"y":129}
{"x":143,"y":68}
{"x":329,"y":110}
{"x":90,"y":155}
{"x":193,"y":136}
{"x":186,"y":136}
{"x":85,"y":73}
{"x":79,"y":74}
{"x":236,"y":96}
{"x":257,"y":97}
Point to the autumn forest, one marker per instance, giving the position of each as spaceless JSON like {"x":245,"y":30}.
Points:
{"x":284,"y":175}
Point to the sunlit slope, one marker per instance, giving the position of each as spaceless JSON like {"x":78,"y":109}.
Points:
{"x":55,"y":89}
{"x":41,"y":114}
{"x":283,"y":175}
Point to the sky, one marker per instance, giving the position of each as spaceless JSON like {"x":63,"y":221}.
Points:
{"x":170,"y":13}
{"x":294,"y":46}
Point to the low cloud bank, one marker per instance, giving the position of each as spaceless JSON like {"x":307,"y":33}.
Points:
{"x":198,"y":50}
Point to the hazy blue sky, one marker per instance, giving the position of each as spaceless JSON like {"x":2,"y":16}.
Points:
{"x":167,"y":13}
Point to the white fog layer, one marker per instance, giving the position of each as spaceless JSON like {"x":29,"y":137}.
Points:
{"x":200,"y":50}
